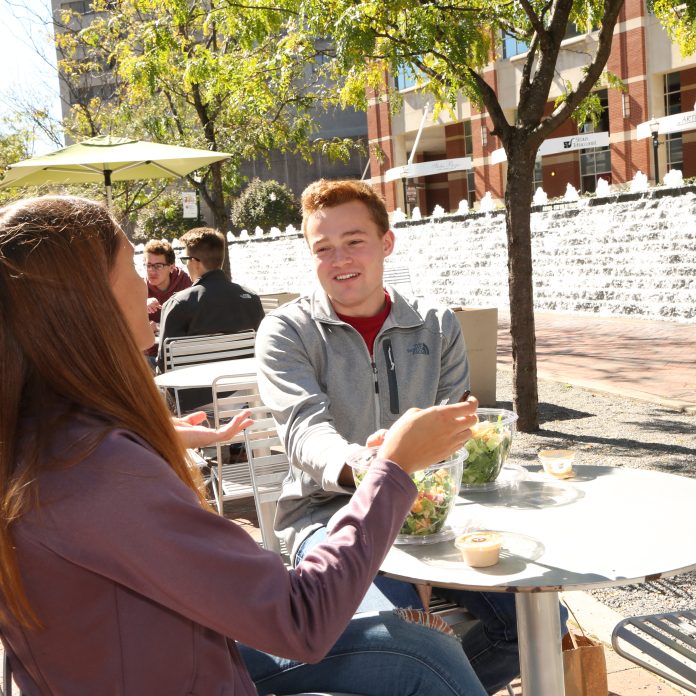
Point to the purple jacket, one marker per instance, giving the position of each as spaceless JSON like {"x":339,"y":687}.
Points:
{"x":141,"y":591}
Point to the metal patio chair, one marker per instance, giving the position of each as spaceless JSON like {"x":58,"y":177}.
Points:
{"x":399,"y":277}
{"x":269,"y":303}
{"x":230,"y":479}
{"x":269,"y":466}
{"x":193,"y":350}
{"x":661,"y":643}
{"x":9,"y":688}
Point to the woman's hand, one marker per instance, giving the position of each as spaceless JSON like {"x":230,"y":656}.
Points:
{"x":422,"y":437}
{"x":195,"y":435}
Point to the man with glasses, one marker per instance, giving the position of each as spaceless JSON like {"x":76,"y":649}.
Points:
{"x":163,"y":280}
{"x":213,"y":304}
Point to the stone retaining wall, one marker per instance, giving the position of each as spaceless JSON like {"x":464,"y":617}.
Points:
{"x":630,"y":255}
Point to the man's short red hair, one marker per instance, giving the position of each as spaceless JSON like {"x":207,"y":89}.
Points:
{"x":328,"y":194}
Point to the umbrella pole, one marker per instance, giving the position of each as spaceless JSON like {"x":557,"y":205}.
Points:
{"x":107,"y":185}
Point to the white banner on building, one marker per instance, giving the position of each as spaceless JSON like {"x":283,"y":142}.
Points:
{"x":188,"y":200}
{"x":676,"y":123}
{"x":581,"y":141}
{"x":412,"y":171}
{"x":554,"y":146}
{"x":498,"y":156}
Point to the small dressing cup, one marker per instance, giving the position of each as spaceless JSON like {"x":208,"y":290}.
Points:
{"x":558,"y":463}
{"x":480,"y":549}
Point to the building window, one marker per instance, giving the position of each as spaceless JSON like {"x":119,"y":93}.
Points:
{"x":512,"y":46}
{"x":603,"y":121}
{"x":469,"y":152}
{"x":595,"y":162}
{"x":79,"y":6}
{"x":572,"y":30}
{"x":471,"y":187}
{"x":408,"y":77}
{"x":538,"y":175}
{"x":484,"y":136}
{"x":673,"y":105}
{"x":468,"y":140}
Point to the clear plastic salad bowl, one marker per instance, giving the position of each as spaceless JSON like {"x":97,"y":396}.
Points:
{"x":489,"y":445}
{"x":437,"y":485}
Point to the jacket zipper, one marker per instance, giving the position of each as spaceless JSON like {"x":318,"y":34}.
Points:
{"x":376,"y":393}
{"x":391,"y":376}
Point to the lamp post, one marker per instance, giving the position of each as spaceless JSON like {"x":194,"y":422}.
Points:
{"x":654,"y":130}
{"x":198,"y":179}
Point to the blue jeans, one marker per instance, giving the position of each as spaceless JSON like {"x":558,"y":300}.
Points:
{"x":490,"y":645}
{"x":379,"y":654}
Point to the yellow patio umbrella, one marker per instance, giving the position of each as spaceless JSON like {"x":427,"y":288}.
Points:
{"x":109,"y":159}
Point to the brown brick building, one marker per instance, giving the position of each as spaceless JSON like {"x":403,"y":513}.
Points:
{"x":659,"y":81}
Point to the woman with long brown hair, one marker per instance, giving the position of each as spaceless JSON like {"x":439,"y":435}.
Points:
{"x":115,"y":576}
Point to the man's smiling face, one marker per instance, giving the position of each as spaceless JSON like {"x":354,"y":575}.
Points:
{"x":348,"y":253}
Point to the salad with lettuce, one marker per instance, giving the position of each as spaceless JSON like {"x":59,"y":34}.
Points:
{"x":436,"y":491}
{"x":488,"y":448}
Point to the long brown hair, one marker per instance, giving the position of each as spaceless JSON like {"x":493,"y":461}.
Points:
{"x":65,"y":348}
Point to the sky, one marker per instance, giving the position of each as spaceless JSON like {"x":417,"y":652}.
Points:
{"x":27,"y":57}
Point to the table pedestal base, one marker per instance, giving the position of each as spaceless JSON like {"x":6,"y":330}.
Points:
{"x":539,"y":633}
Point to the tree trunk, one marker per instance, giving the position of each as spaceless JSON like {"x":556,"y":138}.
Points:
{"x":215,"y":197}
{"x":518,"y":196}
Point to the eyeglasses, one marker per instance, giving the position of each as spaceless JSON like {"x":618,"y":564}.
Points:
{"x":156,"y":266}
{"x":186,"y":259}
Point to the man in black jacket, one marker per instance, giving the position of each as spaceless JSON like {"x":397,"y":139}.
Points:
{"x":213,"y":304}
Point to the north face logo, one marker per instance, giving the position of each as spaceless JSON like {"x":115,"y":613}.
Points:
{"x":246,"y":295}
{"x":419,"y":349}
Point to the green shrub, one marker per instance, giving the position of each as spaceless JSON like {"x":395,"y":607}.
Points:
{"x":265,"y":204}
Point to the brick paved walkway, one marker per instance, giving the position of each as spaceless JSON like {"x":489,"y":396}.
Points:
{"x":647,"y":360}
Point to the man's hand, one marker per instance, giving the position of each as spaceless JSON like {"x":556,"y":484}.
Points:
{"x":153,"y":304}
{"x":195,"y":435}
{"x":422,"y":437}
{"x":377,"y":438}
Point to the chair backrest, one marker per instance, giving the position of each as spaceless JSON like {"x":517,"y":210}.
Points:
{"x":400,"y":278}
{"x":662,"y":643}
{"x":269,"y":466}
{"x":191,"y":350}
{"x":271,"y":300}
{"x":269,"y":303}
{"x":232,"y":394}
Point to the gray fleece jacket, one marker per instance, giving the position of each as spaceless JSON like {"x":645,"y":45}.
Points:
{"x":327,"y":395}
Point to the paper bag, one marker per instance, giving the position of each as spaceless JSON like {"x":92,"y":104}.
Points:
{"x":584,"y":666}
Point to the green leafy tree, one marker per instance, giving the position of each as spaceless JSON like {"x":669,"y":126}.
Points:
{"x":15,"y":145}
{"x":223,"y":77}
{"x":265,"y":204}
{"x":163,"y":219}
{"x":679,"y":18}
{"x":450,"y":44}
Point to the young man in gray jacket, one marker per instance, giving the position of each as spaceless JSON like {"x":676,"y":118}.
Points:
{"x":340,"y":365}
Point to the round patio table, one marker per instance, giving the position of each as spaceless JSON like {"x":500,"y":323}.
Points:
{"x":606,"y":526}
{"x":204,"y":374}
